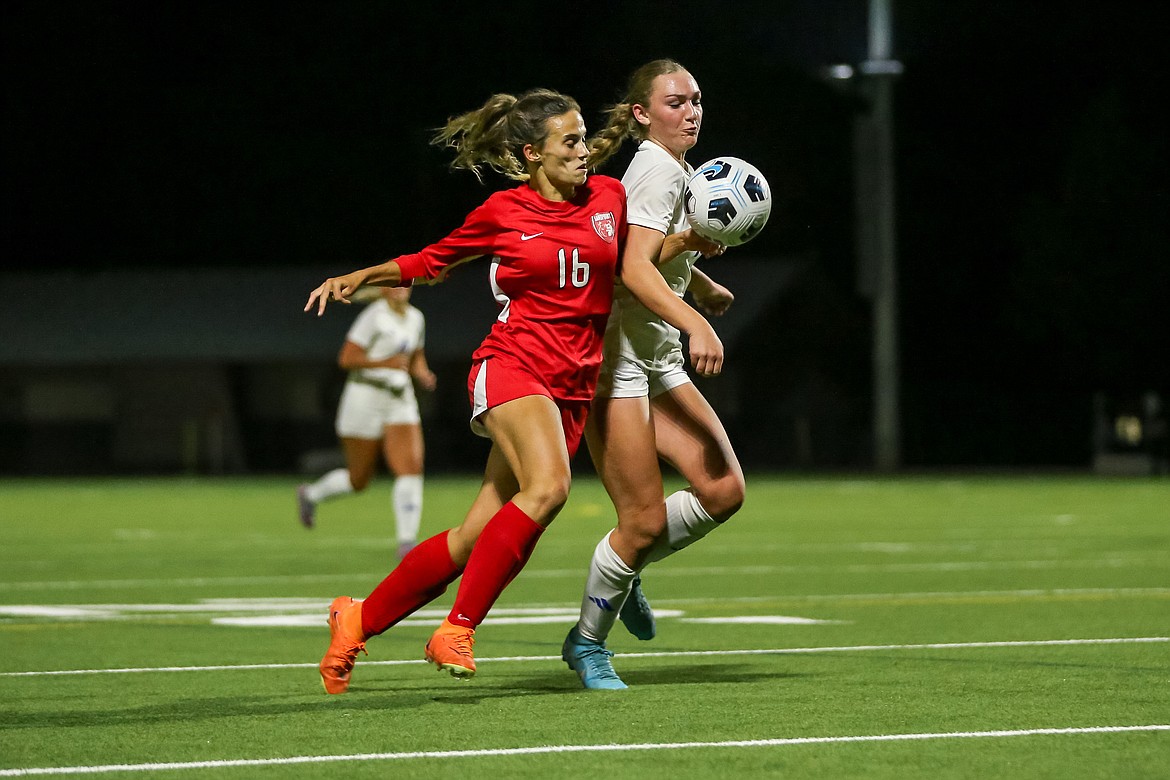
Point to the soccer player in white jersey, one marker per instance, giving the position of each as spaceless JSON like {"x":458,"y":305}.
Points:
{"x":378,"y":412}
{"x":646,"y":406}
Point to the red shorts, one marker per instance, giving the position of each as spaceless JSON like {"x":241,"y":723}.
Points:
{"x":496,"y":380}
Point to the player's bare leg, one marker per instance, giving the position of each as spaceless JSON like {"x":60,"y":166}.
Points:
{"x":691,"y":438}
{"x":528,"y":434}
{"x":361,"y":460}
{"x":621,"y":441}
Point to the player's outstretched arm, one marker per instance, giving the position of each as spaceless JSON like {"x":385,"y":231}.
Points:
{"x":340,"y":288}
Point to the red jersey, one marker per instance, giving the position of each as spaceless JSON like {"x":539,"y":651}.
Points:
{"x":553,"y":266}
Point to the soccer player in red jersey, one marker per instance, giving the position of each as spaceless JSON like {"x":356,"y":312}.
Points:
{"x":554,"y":244}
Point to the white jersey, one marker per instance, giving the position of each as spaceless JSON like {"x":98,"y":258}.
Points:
{"x":654,"y":185}
{"x":384,"y":333}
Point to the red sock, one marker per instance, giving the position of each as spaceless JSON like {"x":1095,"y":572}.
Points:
{"x":421,"y":577}
{"x":501,"y":551}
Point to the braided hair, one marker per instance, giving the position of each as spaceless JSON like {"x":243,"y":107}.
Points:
{"x":619,"y":118}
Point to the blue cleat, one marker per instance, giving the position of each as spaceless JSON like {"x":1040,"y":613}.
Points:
{"x":590,"y":660}
{"x":636,"y":614}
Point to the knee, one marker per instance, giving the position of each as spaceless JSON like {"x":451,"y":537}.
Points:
{"x":640,"y":526}
{"x":723,"y":497}
{"x":549,"y":493}
{"x":640,"y":538}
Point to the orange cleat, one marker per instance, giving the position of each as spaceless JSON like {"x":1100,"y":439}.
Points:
{"x":450,"y":649}
{"x":345,"y":640}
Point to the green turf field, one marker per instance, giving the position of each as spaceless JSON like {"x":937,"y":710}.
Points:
{"x":922,"y":627}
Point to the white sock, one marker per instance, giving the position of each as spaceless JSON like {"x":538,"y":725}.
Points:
{"x":606,"y":589}
{"x":334,"y":483}
{"x":686,"y":523}
{"x":407,"y":498}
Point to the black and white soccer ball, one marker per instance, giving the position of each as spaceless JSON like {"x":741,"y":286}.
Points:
{"x":727,"y":200}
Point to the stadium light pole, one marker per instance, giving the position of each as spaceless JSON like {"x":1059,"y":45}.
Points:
{"x":877,"y":238}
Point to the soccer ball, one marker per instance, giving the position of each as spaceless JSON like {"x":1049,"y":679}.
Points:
{"x":727,"y":200}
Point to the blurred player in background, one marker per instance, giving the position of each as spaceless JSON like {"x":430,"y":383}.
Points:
{"x":553,"y":243}
{"x":646,"y":406}
{"x":378,"y":412}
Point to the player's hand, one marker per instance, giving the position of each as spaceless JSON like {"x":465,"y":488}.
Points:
{"x":694,"y":242}
{"x":337,"y":288}
{"x":706,"y":351}
{"x":426,"y":380}
{"x":714,"y":300}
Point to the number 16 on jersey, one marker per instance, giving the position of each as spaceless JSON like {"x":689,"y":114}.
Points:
{"x":580,"y":270}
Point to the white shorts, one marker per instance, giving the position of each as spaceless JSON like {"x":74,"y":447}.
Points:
{"x":624,"y":376}
{"x":365,"y":409}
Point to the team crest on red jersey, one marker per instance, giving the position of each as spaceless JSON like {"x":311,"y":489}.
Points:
{"x":604,"y":225}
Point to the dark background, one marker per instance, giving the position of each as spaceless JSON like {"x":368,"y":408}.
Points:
{"x":1031,"y":172}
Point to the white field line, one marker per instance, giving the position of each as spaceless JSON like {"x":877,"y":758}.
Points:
{"x":300,"y":612}
{"x":670,"y":654}
{"x":926,"y":595}
{"x":552,"y":749}
{"x":1109,"y":562}
{"x":317,"y":607}
{"x":288,"y":613}
{"x":761,"y":620}
{"x":315,"y":620}
{"x":314,"y":605}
